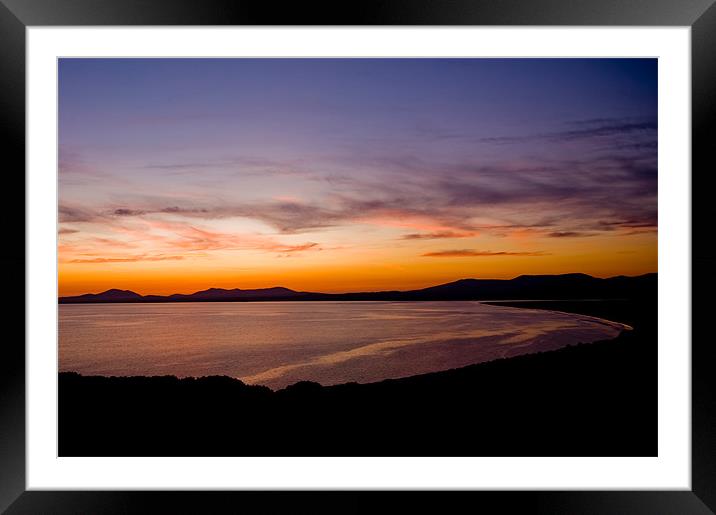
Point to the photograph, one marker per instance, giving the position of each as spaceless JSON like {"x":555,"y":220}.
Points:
{"x":357,"y":256}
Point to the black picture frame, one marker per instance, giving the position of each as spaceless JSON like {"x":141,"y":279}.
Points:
{"x":700,"y":15}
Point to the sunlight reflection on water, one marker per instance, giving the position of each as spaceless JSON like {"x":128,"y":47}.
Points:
{"x":280,"y":343}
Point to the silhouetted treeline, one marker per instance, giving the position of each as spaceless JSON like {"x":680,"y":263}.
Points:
{"x":596,"y":399}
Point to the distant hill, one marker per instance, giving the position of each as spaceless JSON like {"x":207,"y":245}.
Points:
{"x":219,"y":294}
{"x":524,"y":287}
{"x":112,"y":295}
{"x":210,"y":295}
{"x":530,"y":287}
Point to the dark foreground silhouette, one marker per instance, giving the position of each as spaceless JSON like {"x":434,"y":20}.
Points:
{"x":596,"y":399}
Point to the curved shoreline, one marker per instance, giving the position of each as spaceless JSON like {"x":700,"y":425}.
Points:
{"x":419,"y":377}
{"x":476,"y":332}
{"x":600,"y":320}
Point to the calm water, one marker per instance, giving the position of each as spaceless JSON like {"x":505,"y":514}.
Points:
{"x":279,"y":343}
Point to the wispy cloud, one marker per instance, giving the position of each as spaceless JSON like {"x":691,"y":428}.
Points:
{"x":569,"y":234}
{"x":69,"y":213}
{"x":167,"y":240}
{"x":128,"y":212}
{"x":441,"y":200}
{"x":478,"y":253}
{"x":586,"y":130}
{"x":127,"y":259}
{"x":299,"y":248}
{"x":618,"y":190}
{"x":438,"y":235}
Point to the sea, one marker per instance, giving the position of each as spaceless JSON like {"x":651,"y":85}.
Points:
{"x":280,"y":343}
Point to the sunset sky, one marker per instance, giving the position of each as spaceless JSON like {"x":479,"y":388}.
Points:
{"x":338,"y":175}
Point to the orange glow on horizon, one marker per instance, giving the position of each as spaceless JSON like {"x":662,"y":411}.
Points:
{"x":349,"y":270}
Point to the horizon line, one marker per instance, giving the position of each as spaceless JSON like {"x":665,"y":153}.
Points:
{"x":357,"y":291}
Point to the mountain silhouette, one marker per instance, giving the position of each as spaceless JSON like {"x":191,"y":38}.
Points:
{"x":530,"y":287}
{"x":113,"y":295}
{"x":233,"y":294}
{"x":212,"y":294}
{"x":523,"y":287}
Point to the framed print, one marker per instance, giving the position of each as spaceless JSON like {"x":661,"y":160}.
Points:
{"x":442,"y":248}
